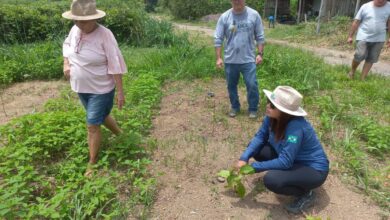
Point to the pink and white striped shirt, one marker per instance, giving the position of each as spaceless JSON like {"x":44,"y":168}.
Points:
{"x":93,"y":58}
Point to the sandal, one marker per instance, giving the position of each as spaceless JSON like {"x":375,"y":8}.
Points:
{"x":90,"y":170}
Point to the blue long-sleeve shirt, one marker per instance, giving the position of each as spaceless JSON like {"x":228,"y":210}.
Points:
{"x":300,"y":146}
{"x":240,"y":31}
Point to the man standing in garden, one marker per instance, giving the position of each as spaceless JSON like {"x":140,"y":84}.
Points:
{"x":371,"y":23}
{"x":240,"y":26}
{"x":271,"y":20}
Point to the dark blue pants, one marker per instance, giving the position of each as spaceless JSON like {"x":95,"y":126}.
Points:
{"x":295,"y":181}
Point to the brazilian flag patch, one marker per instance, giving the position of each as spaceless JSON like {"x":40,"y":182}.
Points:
{"x":292,"y":139}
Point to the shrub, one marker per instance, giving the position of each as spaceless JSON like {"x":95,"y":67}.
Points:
{"x":187,"y":9}
{"x":30,"y":61}
{"x":258,"y":5}
{"x":31,"y":22}
{"x":150,"y":5}
{"x":41,"y":21}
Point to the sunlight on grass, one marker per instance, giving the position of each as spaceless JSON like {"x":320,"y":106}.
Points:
{"x":352,"y":118}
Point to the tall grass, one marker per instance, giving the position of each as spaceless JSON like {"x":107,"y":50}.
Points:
{"x":299,"y":69}
{"x":333,"y":33}
{"x":178,"y":62}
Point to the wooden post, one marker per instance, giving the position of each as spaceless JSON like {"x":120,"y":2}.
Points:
{"x":357,"y":7}
{"x":323,"y":2}
{"x":276,"y":10}
{"x":299,"y":11}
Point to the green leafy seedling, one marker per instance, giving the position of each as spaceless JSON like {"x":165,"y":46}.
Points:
{"x":234,"y":178}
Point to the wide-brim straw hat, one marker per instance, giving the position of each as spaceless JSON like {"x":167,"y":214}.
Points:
{"x":287,"y":100}
{"x":83,"y":10}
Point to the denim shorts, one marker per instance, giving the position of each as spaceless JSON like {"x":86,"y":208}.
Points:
{"x":368,"y":51}
{"x":98,"y":106}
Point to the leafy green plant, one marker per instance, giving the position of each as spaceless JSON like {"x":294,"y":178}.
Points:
{"x":30,"y":62}
{"x":187,"y":9}
{"x":26,"y":23}
{"x":311,"y":217}
{"x":44,"y":156}
{"x":377,"y":136}
{"x":40,"y":20}
{"x":234,"y":178}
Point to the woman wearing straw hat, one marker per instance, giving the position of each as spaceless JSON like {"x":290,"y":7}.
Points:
{"x":287,"y":146}
{"x":94,"y":65}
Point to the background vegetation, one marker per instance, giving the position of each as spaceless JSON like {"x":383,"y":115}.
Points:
{"x":187,"y":9}
{"x":333,"y":33}
{"x":31,"y":35}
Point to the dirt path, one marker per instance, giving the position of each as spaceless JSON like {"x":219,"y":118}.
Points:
{"x":196,"y":139}
{"x":27,"y":97}
{"x":333,"y":57}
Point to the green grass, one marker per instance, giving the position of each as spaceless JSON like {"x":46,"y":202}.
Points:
{"x":183,"y":62}
{"x":352,"y":117}
{"x":332,"y":34}
{"x":168,"y":17}
{"x":44,"y":155}
{"x":41,"y":58}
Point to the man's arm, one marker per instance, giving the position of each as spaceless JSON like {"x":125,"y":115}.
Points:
{"x":218,"y":55}
{"x":388,"y":32}
{"x":218,"y":41}
{"x":260,"y":40}
{"x":354,"y":27}
{"x":259,"y":56}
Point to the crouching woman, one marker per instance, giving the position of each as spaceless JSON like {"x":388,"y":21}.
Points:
{"x":287,"y":146}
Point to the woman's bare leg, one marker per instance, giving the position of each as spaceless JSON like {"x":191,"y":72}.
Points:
{"x":94,"y":138}
{"x":112,"y":125}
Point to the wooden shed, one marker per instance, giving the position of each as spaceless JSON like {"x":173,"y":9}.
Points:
{"x":331,"y":7}
{"x":280,"y":9}
{"x":311,"y":8}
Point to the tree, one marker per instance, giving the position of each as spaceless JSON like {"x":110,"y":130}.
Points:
{"x":299,"y":11}
{"x":357,"y":7}
{"x":321,"y":15}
